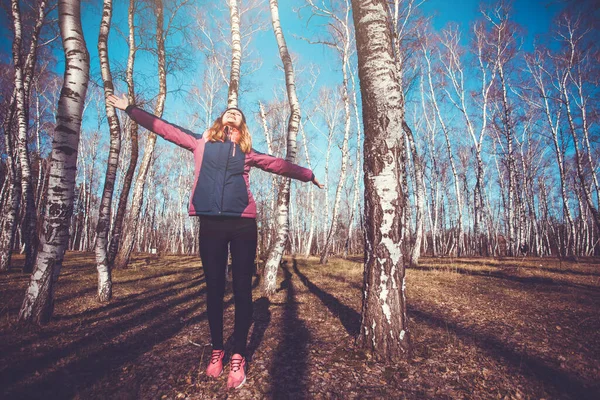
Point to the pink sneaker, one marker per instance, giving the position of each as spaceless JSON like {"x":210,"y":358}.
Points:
{"x":215,"y":366}
{"x":237,"y":372}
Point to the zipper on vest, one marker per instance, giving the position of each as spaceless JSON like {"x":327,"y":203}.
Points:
{"x":224,"y":178}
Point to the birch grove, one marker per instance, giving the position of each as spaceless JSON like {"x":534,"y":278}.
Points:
{"x":496,"y":152}
{"x":124,"y":254}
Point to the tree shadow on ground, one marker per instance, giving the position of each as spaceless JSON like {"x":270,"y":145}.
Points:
{"x":506,"y":264}
{"x":116,"y":335}
{"x":349,"y":318}
{"x":533,"y":368}
{"x":289,"y":367}
{"x":506,"y":275}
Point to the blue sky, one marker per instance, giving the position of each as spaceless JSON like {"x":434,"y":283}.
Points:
{"x":534,"y":16}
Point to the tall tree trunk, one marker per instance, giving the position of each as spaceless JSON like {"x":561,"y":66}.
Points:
{"x":268,"y":228}
{"x":357,"y":170}
{"x":508,"y":132}
{"x":133,"y":134}
{"x":578,"y":157}
{"x":457,"y":191}
{"x":11,"y":209}
{"x":384,"y":328}
{"x":124,"y":254}
{"x":419,"y":194}
{"x":236,"y":54}
{"x":311,"y":199}
{"x":345,"y":53}
{"x":30,"y":221}
{"x":102,"y":262}
{"x":283,"y":199}
{"x":553,"y":118}
{"x":38,"y":304}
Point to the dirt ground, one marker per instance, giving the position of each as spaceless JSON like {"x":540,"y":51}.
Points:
{"x":480,"y":329}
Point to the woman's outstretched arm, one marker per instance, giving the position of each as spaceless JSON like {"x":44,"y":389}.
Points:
{"x":280,"y":166}
{"x":168,"y":131}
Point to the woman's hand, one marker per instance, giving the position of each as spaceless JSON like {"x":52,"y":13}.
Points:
{"x":120,"y":103}
{"x":316,"y":182}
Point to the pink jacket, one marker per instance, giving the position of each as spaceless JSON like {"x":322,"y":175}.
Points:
{"x":221,"y":184}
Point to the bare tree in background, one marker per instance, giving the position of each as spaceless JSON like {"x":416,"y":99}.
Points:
{"x":340,"y":41}
{"x":402,"y":11}
{"x":11,"y":205}
{"x":132,"y":133}
{"x":573,"y":62}
{"x":122,"y":258}
{"x":383,"y":328}
{"x":24,"y":70}
{"x":102,"y":260}
{"x":38,"y":304}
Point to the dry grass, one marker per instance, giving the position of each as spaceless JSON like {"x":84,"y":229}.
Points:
{"x":480,"y":328}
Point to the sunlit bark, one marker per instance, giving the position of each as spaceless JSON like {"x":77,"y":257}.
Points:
{"x":271,"y":266}
{"x":384,"y":328}
{"x":102,"y":260}
{"x":38,"y":304}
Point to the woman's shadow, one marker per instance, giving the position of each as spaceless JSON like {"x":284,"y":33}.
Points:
{"x":262,"y":319}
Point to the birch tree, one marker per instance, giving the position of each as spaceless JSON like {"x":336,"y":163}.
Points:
{"x":552,"y":118}
{"x":38,"y":304}
{"x":122,"y":258}
{"x":102,"y":260}
{"x":445,"y":129}
{"x":283,"y":199}
{"x":24,"y":69}
{"x":502,"y":48}
{"x":11,"y":206}
{"x":133,"y":135}
{"x":236,"y":54}
{"x":384,"y":329}
{"x":573,"y":36}
{"x":455,"y":73}
{"x":340,"y":40}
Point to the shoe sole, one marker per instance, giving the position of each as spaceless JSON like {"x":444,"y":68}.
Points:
{"x":241,"y":384}
{"x":213,"y":376}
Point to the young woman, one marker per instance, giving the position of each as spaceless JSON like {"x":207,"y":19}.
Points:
{"x":221,"y":197}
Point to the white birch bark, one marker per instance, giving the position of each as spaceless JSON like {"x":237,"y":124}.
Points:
{"x":104,"y":213}
{"x":29,"y":233}
{"x":269,"y":283}
{"x":383,"y":328}
{"x":311,"y":199}
{"x":39,"y":299}
{"x":132,"y":133}
{"x":11,"y":208}
{"x":358,"y":163}
{"x":236,"y":54}
{"x":342,"y":45}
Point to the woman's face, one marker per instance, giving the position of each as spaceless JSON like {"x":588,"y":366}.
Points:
{"x":232,"y":118}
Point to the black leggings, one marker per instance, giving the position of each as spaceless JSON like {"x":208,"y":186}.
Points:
{"x":240,"y":234}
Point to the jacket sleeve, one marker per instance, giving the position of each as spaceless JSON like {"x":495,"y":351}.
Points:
{"x":166,"y":130}
{"x":279,"y":166}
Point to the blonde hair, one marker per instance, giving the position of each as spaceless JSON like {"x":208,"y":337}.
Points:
{"x":217,"y":133}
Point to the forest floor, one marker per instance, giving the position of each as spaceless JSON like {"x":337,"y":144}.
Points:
{"x":480,"y":329}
